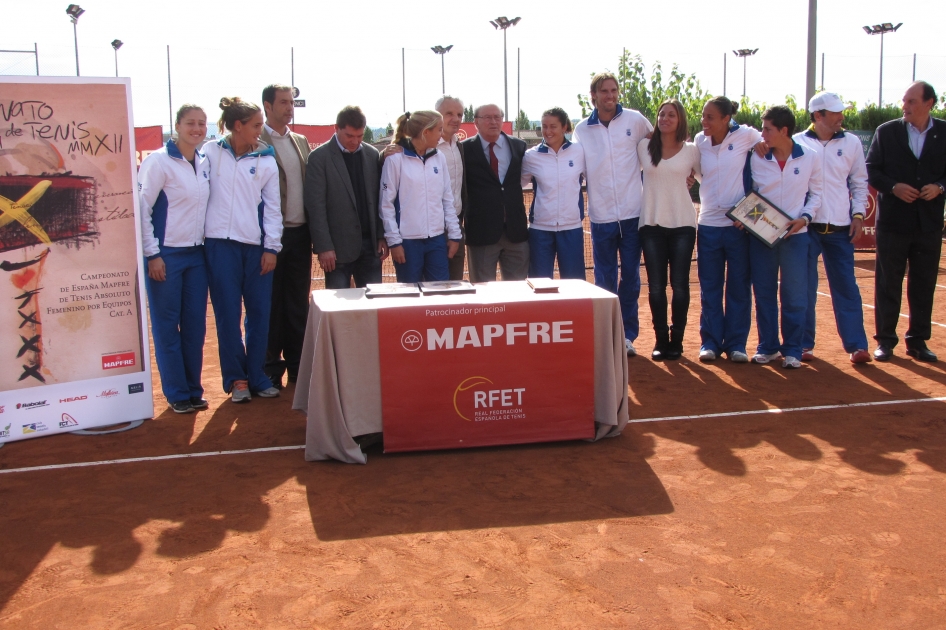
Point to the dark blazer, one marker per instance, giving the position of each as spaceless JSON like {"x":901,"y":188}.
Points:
{"x":890,"y":161}
{"x":489,"y":200}
{"x":330,"y":201}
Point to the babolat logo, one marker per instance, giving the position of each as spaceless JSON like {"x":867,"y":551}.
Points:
{"x":136,"y":388}
{"x":32,"y":405}
{"x":34,"y":427}
{"x":67,"y":421}
{"x":499,"y":334}
{"x":73,"y":399}
{"x":5,"y":432}
{"x":478,"y":399}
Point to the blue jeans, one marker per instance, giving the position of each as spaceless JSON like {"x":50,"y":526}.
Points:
{"x":233,"y":271}
{"x":673,"y":248}
{"x":838,"y":254}
{"x":425,"y":260}
{"x":568,"y":244}
{"x":722,"y":256}
{"x":178,"y":308}
{"x":788,"y":259}
{"x":608,"y":239}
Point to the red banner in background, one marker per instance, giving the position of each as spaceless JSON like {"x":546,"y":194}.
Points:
{"x":468,"y":130}
{"x":867,"y":239}
{"x":462,"y":375}
{"x":147,"y":139}
{"x":317,"y":135}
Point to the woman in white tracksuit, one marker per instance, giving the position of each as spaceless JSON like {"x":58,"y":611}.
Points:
{"x":243,"y":233}
{"x":722,"y":248}
{"x":417,"y":201}
{"x":173,"y":188}
{"x":556,"y":169}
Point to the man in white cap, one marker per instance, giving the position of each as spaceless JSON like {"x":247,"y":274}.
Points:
{"x":836,"y":223}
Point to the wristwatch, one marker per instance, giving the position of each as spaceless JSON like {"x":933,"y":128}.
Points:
{"x":942,"y":190}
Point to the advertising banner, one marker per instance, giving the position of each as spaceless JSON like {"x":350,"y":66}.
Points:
{"x":73,"y":338}
{"x":457,"y":376}
{"x":317,"y":135}
{"x":468,"y":130}
{"x":867,"y":239}
{"x":147,"y":140}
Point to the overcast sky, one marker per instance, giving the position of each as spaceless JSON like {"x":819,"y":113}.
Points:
{"x":350,"y":52}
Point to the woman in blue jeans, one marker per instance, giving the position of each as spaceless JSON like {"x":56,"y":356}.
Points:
{"x":668,"y":223}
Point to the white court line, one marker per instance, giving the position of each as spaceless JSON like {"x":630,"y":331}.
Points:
{"x":754,"y":412}
{"x":268,"y":449}
{"x":725,"y":414}
{"x":873,"y":307}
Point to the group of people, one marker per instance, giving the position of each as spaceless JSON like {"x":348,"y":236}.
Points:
{"x":243,"y":215}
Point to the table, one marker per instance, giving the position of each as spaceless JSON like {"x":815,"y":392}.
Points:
{"x":339,"y":382}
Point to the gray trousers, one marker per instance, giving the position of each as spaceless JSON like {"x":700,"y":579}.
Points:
{"x":513,"y":259}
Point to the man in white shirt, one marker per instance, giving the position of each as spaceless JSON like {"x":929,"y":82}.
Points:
{"x":292,"y":277}
{"x":836,"y":223}
{"x":451,"y":109}
{"x":610,"y":137}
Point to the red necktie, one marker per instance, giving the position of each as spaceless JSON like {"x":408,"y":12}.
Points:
{"x":493,"y":161}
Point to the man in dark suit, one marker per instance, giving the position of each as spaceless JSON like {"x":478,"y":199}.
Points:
{"x":495,"y":216}
{"x":906,"y":163}
{"x":342,"y":182}
{"x":292,"y":278}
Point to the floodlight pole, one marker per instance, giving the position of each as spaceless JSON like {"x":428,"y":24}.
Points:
{"x":745,"y":53}
{"x":881,"y":29}
{"x":75,"y":38}
{"x":503,"y":23}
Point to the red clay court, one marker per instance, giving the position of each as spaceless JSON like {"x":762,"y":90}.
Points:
{"x":827,"y":515}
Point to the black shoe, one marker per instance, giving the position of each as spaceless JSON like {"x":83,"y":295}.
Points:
{"x":884,"y":353}
{"x":182,"y":407}
{"x":292,"y":378}
{"x":921,"y":353}
{"x":276,"y":380}
{"x":658,"y":353}
{"x":199,"y":403}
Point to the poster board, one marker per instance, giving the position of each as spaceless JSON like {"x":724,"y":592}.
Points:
{"x":74,"y":349}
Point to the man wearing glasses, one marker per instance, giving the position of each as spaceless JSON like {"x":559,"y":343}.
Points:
{"x":495,"y":216}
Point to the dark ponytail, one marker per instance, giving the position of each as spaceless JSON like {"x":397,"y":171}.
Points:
{"x":724,"y":106}
{"x":234,"y":109}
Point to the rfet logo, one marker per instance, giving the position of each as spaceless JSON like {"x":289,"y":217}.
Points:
{"x":412,"y":341}
{"x":118,"y":360}
{"x":67,"y":421}
{"x":478,"y":399}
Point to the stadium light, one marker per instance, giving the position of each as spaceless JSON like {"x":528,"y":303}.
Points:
{"x":503,"y":23}
{"x":880,"y":29}
{"x":442,"y":50}
{"x":116,"y":44}
{"x":745,"y":53}
{"x":74,"y":11}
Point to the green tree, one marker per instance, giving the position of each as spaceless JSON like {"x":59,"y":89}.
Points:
{"x":468,"y":114}
{"x":645,"y":92}
{"x":369,"y":135}
{"x":522,"y":122}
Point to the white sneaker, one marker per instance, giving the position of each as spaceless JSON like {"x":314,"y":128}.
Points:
{"x":269,"y":392}
{"x":738,"y":357}
{"x":762,"y":359}
{"x":240,"y":392}
{"x":629,"y":346}
{"x":791,"y":363}
{"x":707,"y":355}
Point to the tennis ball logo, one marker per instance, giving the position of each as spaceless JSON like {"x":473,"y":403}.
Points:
{"x":467,"y":385}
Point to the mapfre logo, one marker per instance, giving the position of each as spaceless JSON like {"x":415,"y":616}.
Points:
{"x":477,"y":399}
{"x":67,"y":421}
{"x":412,"y":341}
{"x":118,"y":360}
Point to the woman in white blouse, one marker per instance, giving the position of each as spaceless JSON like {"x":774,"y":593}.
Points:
{"x":668,"y":223}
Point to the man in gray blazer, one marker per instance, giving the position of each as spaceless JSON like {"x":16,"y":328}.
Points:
{"x":342,"y":182}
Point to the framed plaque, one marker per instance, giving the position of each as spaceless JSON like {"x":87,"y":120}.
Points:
{"x":762,"y":218}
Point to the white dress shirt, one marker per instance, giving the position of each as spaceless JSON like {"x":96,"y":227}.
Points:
{"x":502,"y":152}
{"x":917,"y":137}
{"x":451,"y":152}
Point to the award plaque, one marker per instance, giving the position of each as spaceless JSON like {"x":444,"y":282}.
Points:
{"x":762,"y":218}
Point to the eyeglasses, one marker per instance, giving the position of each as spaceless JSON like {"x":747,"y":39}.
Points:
{"x":491,"y":118}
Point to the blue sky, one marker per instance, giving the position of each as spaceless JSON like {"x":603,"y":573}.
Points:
{"x":351,"y":54}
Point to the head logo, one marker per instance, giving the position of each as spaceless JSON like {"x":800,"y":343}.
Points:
{"x":412,"y":340}
{"x":436,"y":170}
{"x":67,"y":421}
{"x":469,"y":383}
